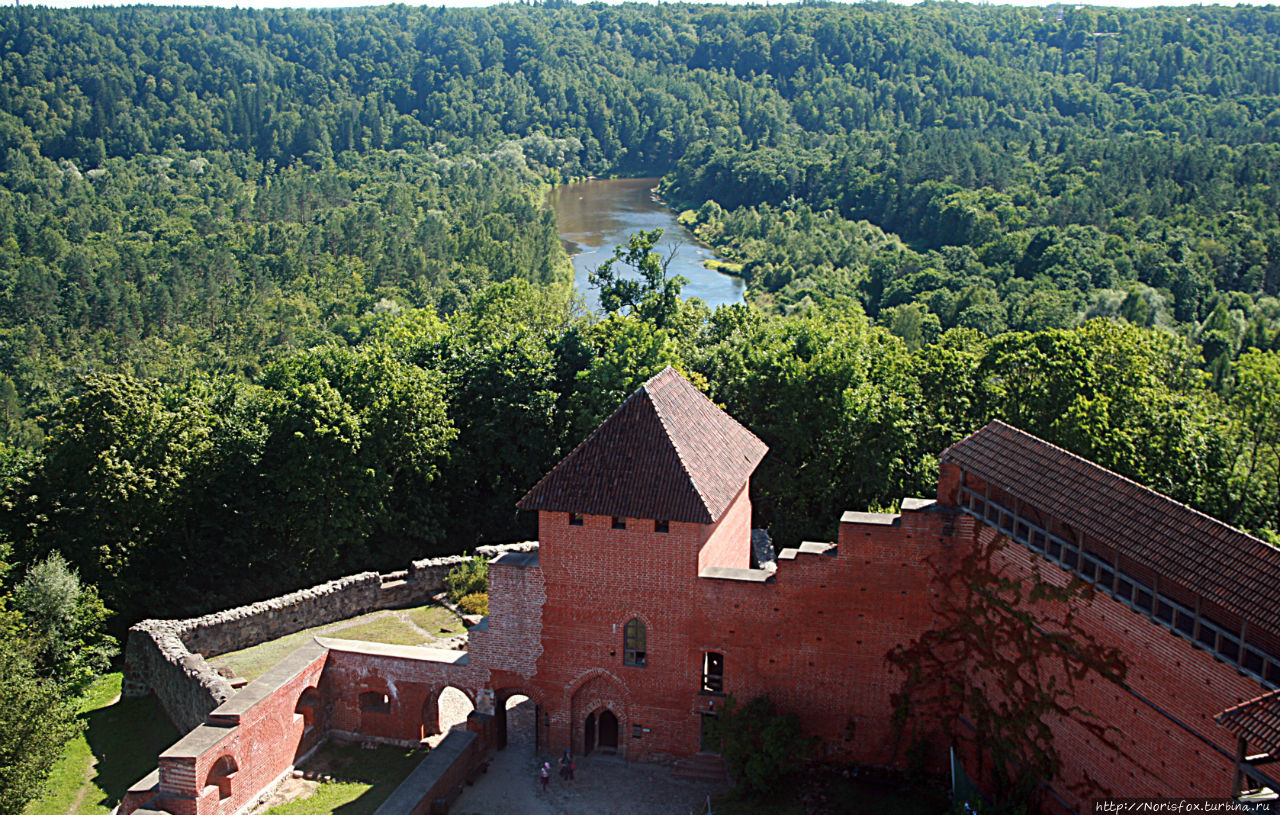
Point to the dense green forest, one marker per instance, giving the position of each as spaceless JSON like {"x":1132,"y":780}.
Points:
{"x":279,"y":299}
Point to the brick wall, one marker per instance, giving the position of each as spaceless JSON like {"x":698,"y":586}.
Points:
{"x":249,"y":743}
{"x":727,"y":542}
{"x":1165,"y":742}
{"x":812,"y":637}
{"x":408,"y":678}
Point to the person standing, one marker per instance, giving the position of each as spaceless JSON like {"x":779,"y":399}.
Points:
{"x":545,"y":774}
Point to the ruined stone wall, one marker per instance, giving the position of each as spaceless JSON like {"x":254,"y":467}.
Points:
{"x":157,"y":660}
{"x":168,"y":656}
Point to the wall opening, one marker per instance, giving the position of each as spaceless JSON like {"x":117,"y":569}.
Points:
{"x":608,"y":732}
{"x":600,"y":733}
{"x":708,"y":738}
{"x":713,"y":672}
{"x":517,"y":722}
{"x":373,"y":701}
{"x":221,"y":774}
{"x":308,"y":704}
{"x":451,"y":707}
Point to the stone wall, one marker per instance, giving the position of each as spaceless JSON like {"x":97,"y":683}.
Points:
{"x":157,"y":660}
{"x":168,"y":656}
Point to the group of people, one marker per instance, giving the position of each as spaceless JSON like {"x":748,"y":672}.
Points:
{"x":566,"y":770}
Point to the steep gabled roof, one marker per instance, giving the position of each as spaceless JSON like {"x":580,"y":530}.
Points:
{"x":1256,"y":721}
{"x":666,"y":453}
{"x":1219,"y":562}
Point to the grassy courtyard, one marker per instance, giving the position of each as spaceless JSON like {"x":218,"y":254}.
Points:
{"x":367,"y":778}
{"x":422,"y":625}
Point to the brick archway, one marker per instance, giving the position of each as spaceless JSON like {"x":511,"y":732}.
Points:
{"x":600,"y":701}
{"x":505,"y":728}
{"x":431,"y":717}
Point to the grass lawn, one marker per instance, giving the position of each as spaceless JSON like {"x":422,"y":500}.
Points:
{"x":415,"y":626}
{"x":435,"y":619}
{"x":389,"y":629}
{"x":376,"y":775}
{"x":253,"y":662}
{"x":119,"y":746}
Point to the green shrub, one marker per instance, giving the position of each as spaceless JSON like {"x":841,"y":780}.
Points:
{"x":475,"y":603}
{"x":469,"y":577}
{"x":760,"y":744}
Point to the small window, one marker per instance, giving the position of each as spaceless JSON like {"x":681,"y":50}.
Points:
{"x":1206,"y":636}
{"x":1273,"y":673}
{"x":1105,"y":577}
{"x":636,"y":731}
{"x":662,"y":526}
{"x":1185,"y":623}
{"x":374,"y":702}
{"x":619,"y":522}
{"x":713,"y":672}
{"x":1228,"y":648}
{"x":575,"y":519}
{"x":1252,"y":662}
{"x":634,"y":644}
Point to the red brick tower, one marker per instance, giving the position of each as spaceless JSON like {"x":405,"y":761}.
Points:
{"x":626,"y":522}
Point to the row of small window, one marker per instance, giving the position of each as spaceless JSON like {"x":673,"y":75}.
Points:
{"x":1178,"y":618}
{"x":620,"y":522}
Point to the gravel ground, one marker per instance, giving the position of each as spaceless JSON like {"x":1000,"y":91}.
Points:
{"x":605,"y":785}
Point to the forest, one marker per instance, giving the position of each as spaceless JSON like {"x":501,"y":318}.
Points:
{"x":280,"y":300}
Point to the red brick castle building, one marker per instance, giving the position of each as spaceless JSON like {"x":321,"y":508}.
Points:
{"x":645,"y":605}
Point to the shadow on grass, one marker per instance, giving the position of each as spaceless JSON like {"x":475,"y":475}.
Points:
{"x":126,"y":738}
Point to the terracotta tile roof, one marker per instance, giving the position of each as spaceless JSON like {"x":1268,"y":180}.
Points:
{"x":1220,"y":563}
{"x":1256,"y":721}
{"x":666,"y":453}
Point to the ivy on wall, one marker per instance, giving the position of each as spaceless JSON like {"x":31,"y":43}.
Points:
{"x":998,"y":671}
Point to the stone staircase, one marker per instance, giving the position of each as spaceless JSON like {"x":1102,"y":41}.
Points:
{"x":703,"y":767}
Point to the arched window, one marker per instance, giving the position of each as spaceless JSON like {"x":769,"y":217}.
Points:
{"x":633,"y":646}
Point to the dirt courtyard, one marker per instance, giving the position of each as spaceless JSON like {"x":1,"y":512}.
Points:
{"x":605,"y":785}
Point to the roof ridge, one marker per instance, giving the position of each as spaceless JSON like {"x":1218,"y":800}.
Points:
{"x":671,"y":436}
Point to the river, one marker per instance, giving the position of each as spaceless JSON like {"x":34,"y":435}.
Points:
{"x":595,"y":216}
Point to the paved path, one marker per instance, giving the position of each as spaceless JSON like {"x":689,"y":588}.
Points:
{"x":605,"y":785}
